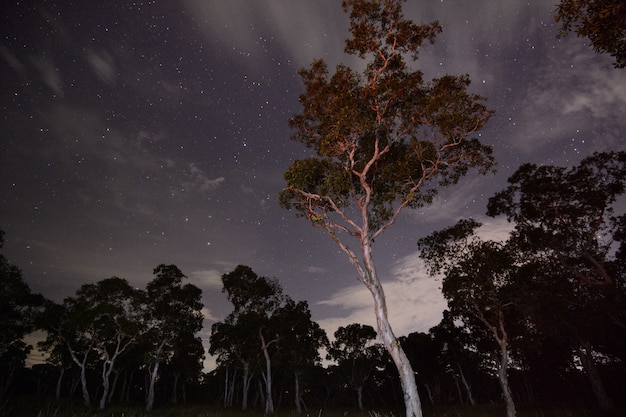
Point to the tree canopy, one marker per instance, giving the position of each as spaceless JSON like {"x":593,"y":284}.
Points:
{"x":603,"y":22}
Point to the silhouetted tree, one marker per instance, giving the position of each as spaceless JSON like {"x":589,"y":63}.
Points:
{"x":603,"y":22}
{"x":173,"y":314}
{"x":566,"y":226}
{"x":479,"y":283}
{"x":18,"y":311}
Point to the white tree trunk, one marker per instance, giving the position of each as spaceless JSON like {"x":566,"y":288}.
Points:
{"x":267,"y":376}
{"x":504,"y":378}
{"x":412,"y":403}
{"x":153,"y":374}
{"x":297,"y":393}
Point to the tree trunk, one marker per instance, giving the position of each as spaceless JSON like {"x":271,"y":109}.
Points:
{"x":359,"y":396}
{"x":113,"y":386}
{"x":152,"y":374}
{"x":57,"y":393}
{"x":504,"y":378}
{"x":586,"y":358}
{"x":175,"y":388}
{"x":297,"y":392}
{"x":407,"y":376}
{"x":468,"y":389}
{"x":267,"y":376}
{"x":245,"y":386}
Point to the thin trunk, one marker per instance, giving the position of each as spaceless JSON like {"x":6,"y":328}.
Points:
{"x":504,"y":378}
{"x":586,"y":358}
{"x":297,"y":392}
{"x":175,"y":387}
{"x":468,"y":389}
{"x":83,"y":376}
{"x":458,"y":388}
{"x":267,"y":375}
{"x":152,"y":375}
{"x":430,"y":394}
{"x":57,"y":393}
{"x":113,"y":386}
{"x":245,"y":385}
{"x":359,"y":396}
{"x":153,"y":372}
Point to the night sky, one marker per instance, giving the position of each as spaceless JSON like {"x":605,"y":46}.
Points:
{"x":139,"y":133}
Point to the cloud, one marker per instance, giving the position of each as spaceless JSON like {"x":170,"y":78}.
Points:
{"x":303,"y":30}
{"x":49,"y":74}
{"x":207,"y":278}
{"x":200,"y":181}
{"x":414,"y":300}
{"x":103,"y":66}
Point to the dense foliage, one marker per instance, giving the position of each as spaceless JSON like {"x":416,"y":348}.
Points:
{"x":603,"y":22}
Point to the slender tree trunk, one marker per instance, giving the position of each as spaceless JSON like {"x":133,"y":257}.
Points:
{"x":359,"y":396}
{"x":152,"y":375}
{"x":83,"y":377}
{"x":57,"y":393}
{"x":113,"y":386}
{"x":504,"y":378}
{"x":297,"y":392}
{"x":586,"y":358}
{"x":468,"y":389}
{"x":245,"y":386}
{"x":430,"y":394}
{"x":458,"y":388}
{"x":267,"y":375}
{"x":174,"y":399}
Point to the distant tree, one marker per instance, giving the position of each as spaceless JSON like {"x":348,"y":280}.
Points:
{"x":385,"y":140}
{"x":354,"y":351}
{"x":173,"y":314}
{"x":458,"y":354}
{"x":18,"y":311}
{"x":250,"y":329}
{"x":603,"y":22}
{"x":100,"y":322}
{"x":185,"y":365}
{"x":235,"y":348}
{"x":423,"y":351}
{"x":479,"y":283}
{"x":301,"y":341}
{"x":565,"y":222}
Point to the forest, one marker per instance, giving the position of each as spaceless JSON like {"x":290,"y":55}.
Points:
{"x":537,"y":319}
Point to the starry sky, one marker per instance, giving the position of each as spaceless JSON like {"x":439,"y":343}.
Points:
{"x":135,"y":133}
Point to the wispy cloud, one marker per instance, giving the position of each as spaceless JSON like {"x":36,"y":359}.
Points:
{"x":200,"y":181}
{"x":103,"y":65}
{"x":414,"y":300}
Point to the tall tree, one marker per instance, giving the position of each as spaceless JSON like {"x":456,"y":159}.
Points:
{"x":251,"y":326}
{"x":480,"y":287}
{"x":385,"y":139}
{"x":565,"y":221}
{"x":173,"y":314}
{"x":354,"y":351}
{"x":601,"y":21}
{"x":18,"y":311}
{"x":301,"y":341}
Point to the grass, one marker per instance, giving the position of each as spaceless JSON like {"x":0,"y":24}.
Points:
{"x":50,"y":408}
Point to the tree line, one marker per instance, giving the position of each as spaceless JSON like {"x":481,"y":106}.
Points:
{"x":537,"y":317}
